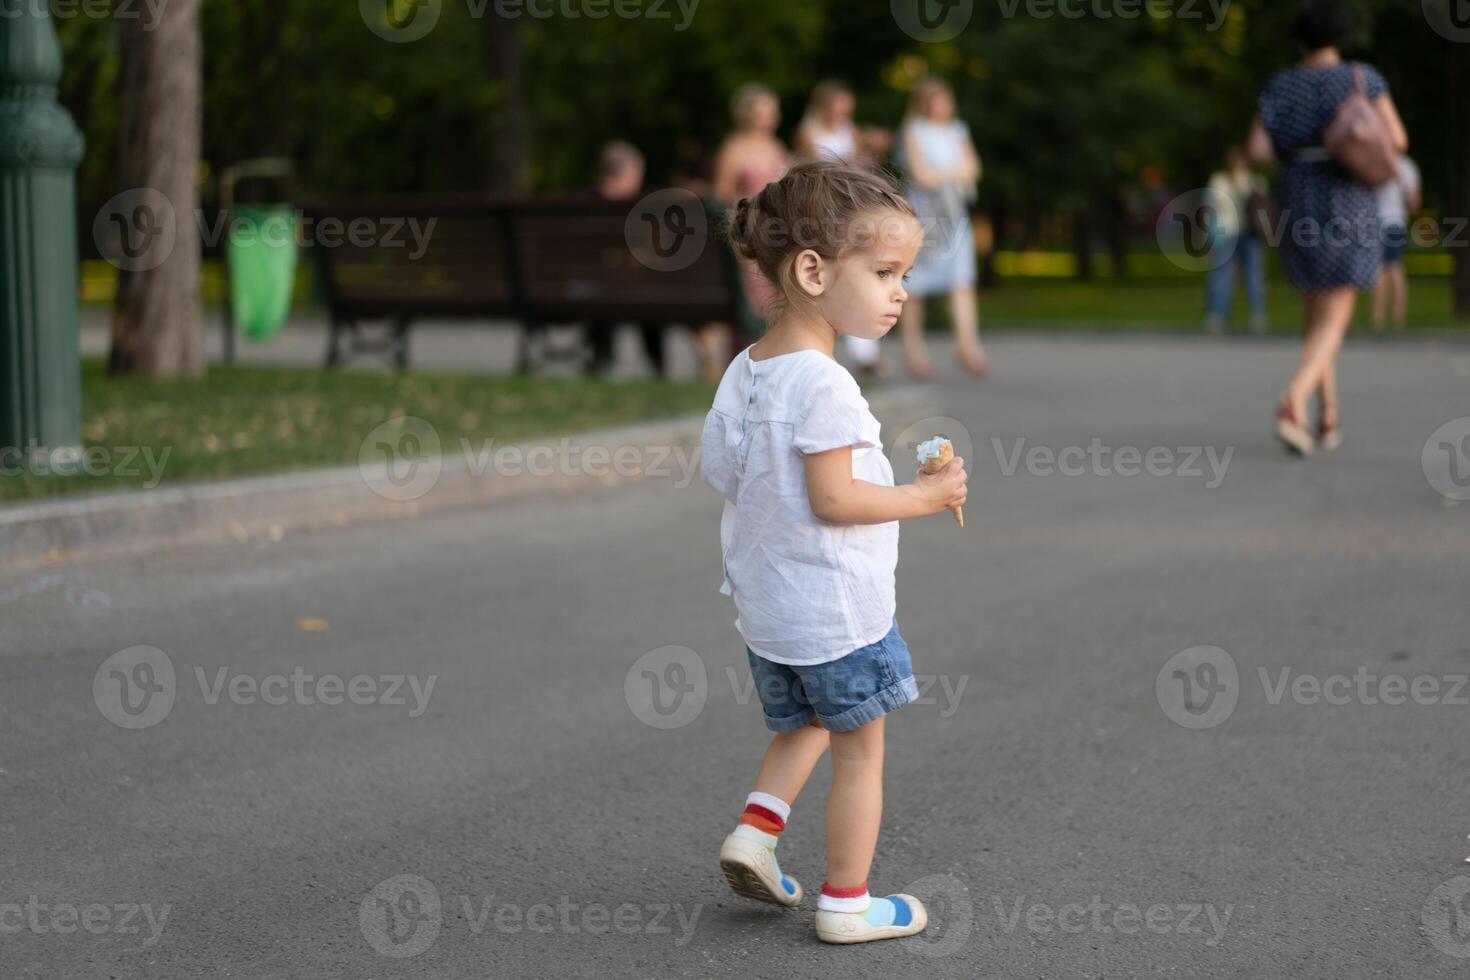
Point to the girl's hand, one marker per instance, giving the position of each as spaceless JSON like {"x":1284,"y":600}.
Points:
{"x":943,"y":490}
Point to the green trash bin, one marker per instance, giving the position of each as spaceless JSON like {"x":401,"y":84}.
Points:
{"x":262,"y":268}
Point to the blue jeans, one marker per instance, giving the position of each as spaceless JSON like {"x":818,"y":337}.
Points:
{"x":842,"y":694}
{"x":1395,"y":243}
{"x":1248,"y":253}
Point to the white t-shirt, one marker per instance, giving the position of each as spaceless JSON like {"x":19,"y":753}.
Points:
{"x":1393,"y":196}
{"x":1230,"y":196}
{"x":838,"y":144}
{"x":806,"y":591}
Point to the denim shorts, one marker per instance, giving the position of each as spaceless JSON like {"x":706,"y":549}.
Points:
{"x":1395,"y":243}
{"x":842,"y":694}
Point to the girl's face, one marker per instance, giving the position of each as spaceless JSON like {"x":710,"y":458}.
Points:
{"x":941,"y":105}
{"x":867,"y":290}
{"x":840,"y":108}
{"x":765,"y":114}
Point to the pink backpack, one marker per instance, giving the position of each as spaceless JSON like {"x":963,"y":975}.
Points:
{"x":1358,"y":138}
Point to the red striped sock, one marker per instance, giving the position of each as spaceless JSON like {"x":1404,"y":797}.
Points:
{"x":760,"y":818}
{"x":834,"y":899}
{"x":856,"y":891}
{"x":765,"y":813}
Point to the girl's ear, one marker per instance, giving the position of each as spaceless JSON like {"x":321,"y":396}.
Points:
{"x":810,"y":272}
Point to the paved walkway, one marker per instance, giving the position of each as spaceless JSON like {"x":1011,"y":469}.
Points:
{"x":490,"y":347}
{"x":1074,"y":798}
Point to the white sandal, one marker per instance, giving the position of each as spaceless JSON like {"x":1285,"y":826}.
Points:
{"x":748,"y":859}
{"x":904,"y":915}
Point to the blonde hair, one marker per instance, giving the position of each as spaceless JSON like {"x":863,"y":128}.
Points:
{"x":831,"y":208}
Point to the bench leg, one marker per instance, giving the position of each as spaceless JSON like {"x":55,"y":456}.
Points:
{"x":334,"y":344}
{"x":400,"y":342}
{"x":523,"y":357}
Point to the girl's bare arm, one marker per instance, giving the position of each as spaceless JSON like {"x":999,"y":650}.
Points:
{"x":835,"y":496}
{"x":1390,"y":113}
{"x":1258,"y":144}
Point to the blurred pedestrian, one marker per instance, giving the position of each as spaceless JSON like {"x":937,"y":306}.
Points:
{"x":1237,"y":198}
{"x":1397,"y":202}
{"x":942,"y":171}
{"x":827,"y":132}
{"x":620,"y":170}
{"x":1331,"y":247}
{"x":750,"y":158}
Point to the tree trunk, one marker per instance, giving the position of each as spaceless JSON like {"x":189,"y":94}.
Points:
{"x":1118,"y":234}
{"x":1082,"y":243}
{"x":156,"y":321}
{"x":999,"y":215}
{"x":1459,"y":190}
{"x":508,"y":145}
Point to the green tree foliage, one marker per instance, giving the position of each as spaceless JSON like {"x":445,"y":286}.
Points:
{"x":1066,"y":112}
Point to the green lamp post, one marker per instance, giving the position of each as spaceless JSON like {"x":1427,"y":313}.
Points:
{"x":40,"y":147}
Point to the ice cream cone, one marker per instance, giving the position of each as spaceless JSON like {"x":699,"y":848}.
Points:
{"x":935,"y":455}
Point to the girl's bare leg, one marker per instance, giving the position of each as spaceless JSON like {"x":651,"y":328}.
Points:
{"x":1328,"y":316}
{"x":711,"y":342}
{"x":789,"y":760}
{"x":1400,"y":279}
{"x":855,"y":807}
{"x":965,"y":313}
{"x":1381,"y":297}
{"x":1328,"y":392}
{"x":911,"y":326}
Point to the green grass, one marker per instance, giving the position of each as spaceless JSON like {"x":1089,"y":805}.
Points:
{"x":248,"y":420}
{"x":1157,"y":297}
{"x":1174,"y":305}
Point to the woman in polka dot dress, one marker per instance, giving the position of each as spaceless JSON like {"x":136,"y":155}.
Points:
{"x":1329,"y":223}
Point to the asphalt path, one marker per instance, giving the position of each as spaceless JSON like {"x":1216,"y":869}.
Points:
{"x":1192,"y":709}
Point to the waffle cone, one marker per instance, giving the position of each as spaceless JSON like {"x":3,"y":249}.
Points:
{"x":946,"y":453}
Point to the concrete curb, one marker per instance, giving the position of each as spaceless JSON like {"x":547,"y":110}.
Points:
{"x":269,"y":507}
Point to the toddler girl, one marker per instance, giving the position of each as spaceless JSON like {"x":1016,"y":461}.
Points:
{"x":809,"y":532}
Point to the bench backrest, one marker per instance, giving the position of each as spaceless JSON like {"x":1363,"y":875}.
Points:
{"x":540,"y":260}
{"x":432,"y":258}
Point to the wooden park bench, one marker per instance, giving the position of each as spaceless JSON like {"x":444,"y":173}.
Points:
{"x":536,"y":262}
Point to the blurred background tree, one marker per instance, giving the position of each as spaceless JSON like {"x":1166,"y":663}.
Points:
{"x":1080,"y":121}
{"x":156,"y":321}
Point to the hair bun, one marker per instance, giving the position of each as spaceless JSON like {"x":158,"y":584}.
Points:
{"x":740,"y":230}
